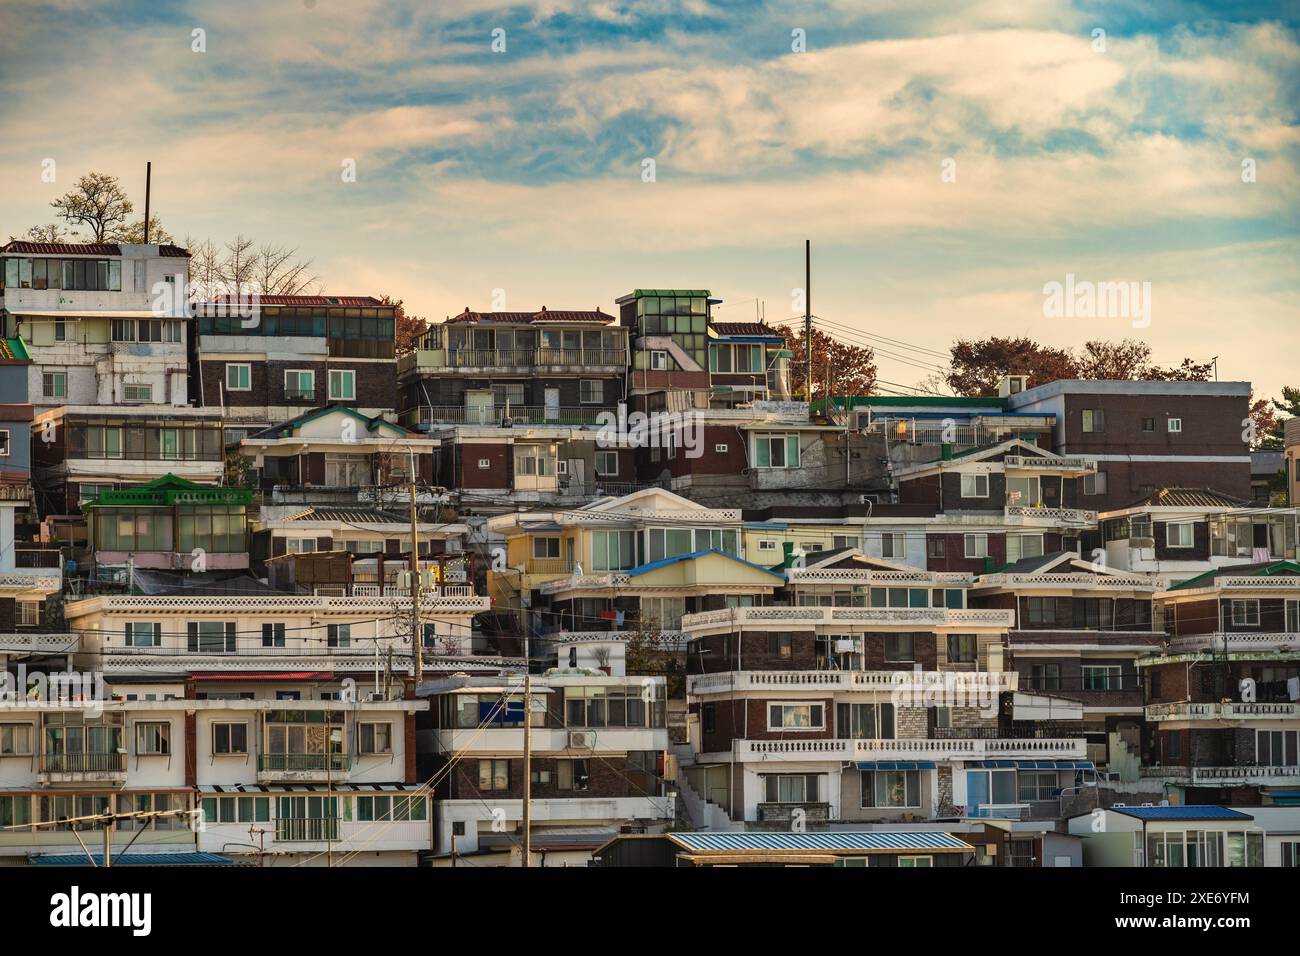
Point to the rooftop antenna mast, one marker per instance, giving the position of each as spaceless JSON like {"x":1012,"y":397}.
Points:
{"x":148,"y":177}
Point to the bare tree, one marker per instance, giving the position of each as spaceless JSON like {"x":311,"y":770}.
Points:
{"x":98,"y":202}
{"x":238,"y":263}
{"x":51,"y":233}
{"x":278,"y":271}
{"x":205,"y":268}
{"x":243,"y":264}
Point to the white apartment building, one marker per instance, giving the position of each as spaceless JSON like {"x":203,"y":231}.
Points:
{"x":105,"y":323}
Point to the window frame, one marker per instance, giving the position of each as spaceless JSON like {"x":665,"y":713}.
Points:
{"x":348,"y":375}
{"x":247,"y":367}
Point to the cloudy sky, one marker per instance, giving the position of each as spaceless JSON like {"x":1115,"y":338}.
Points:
{"x":1112,"y":158}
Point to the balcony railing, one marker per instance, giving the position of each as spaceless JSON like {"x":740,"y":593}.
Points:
{"x":535,"y":358}
{"x":309,"y":829}
{"x":1248,"y":774}
{"x":1069,"y":517}
{"x":1049,"y":464}
{"x":494,"y":415}
{"x":294,"y":763}
{"x":883,"y":616}
{"x":847,"y":680}
{"x":1228,"y":710}
{"x":1235,"y":642}
{"x":83,"y":763}
{"x":920,"y":748}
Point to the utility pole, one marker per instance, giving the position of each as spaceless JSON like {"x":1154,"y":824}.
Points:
{"x":417,"y":638}
{"x":329,"y":787}
{"x":528,"y":751}
{"x":807,"y":318}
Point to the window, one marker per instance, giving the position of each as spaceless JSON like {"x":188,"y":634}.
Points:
{"x":766,"y":544}
{"x":591,"y":391}
{"x":607,"y":464}
{"x":1276,"y":748}
{"x":795,"y":717}
{"x":299,"y":545}
{"x":864,"y":721}
{"x":375,"y":738}
{"x":54,"y":384}
{"x":899,"y":649}
{"x":893,"y":545}
{"x":1025,"y":492}
{"x":977,"y":545}
{"x":546,"y":547}
{"x":780,"y":645}
{"x":1102,"y":677}
{"x":792,"y":787}
{"x":1148,"y":424}
{"x":299,"y":385}
{"x":776,"y":451}
{"x":962,"y":648}
{"x":1040,"y":611}
{"x":1245,"y":613}
{"x":1024,"y":546}
{"x":211,"y":637}
{"x":16,"y":740}
{"x":143,"y":634}
{"x":4,"y":443}
{"x":272,"y":634}
{"x":28,"y":613}
{"x":1179,"y":535}
{"x":720,"y":449}
{"x":936,"y":547}
{"x":484,"y":463}
{"x":1094,"y":484}
{"x":1175,"y":425}
{"x":153,"y":738}
{"x":1037,"y":786}
{"x":613,"y":550}
{"x":392,"y":808}
{"x":659,"y":361}
{"x":347,"y":471}
{"x":1094,"y":420}
{"x":974,"y":486}
{"x":343,"y":385}
{"x":1045,"y":676}
{"x":239,"y":377}
{"x":891,"y":789}
{"x":572,"y":774}
{"x":123,"y":330}
{"x":916,"y":862}
{"x":494,"y":774}
{"x":339,"y":635}
{"x":1290,"y":854}
{"x":230,"y":738}
{"x":844,"y":541}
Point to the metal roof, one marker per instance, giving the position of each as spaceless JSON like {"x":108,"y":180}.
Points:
{"x":131,"y":859}
{"x":753,"y":840}
{"x":1183,"y":813}
{"x":1188,"y":498}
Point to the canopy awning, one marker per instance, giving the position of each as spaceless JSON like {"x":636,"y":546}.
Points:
{"x":96,"y":858}
{"x":1032,"y":765}
{"x":896,"y":765}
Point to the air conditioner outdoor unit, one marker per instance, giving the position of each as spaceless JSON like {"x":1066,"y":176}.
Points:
{"x":581,"y":740}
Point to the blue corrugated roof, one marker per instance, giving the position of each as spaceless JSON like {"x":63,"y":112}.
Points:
{"x":131,"y":859}
{"x":895,"y":765}
{"x":1183,"y":813}
{"x":754,"y":840}
{"x":664,"y":562}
